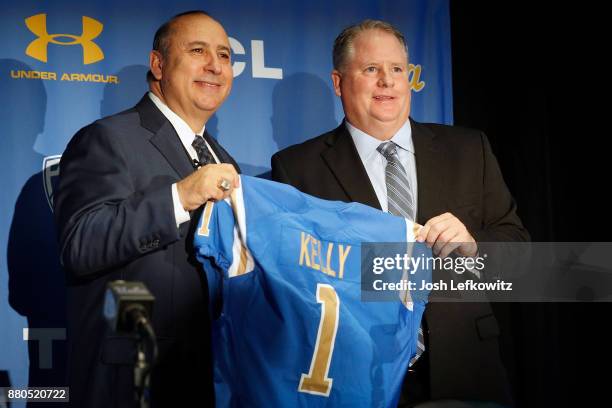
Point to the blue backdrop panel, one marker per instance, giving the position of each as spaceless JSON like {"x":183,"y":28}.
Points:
{"x":64,"y":64}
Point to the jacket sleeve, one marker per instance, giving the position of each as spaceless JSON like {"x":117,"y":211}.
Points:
{"x":103,"y":219}
{"x":500,"y":220}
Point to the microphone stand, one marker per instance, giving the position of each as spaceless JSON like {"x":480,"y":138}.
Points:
{"x":142,"y":368}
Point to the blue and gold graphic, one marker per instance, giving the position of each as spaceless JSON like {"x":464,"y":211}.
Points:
{"x":38,"y":48}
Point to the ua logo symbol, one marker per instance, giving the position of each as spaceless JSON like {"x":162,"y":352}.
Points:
{"x":38,"y":48}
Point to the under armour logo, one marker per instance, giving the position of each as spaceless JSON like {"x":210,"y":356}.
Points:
{"x":38,"y":48}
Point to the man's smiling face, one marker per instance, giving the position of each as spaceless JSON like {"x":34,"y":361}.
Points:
{"x":373,"y":84}
{"x":196,"y":70}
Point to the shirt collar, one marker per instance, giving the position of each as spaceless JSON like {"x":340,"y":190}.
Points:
{"x":366,"y":144}
{"x":182,"y":128}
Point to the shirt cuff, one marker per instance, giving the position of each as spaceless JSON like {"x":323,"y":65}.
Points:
{"x":180,"y":215}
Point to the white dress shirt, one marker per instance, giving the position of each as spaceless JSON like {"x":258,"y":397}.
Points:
{"x":375,"y":163}
{"x":186,"y":136}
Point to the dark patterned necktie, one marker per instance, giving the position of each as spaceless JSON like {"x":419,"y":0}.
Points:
{"x":400,"y":202}
{"x":204,"y":156}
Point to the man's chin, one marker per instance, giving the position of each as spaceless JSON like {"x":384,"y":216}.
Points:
{"x":389,"y":118}
{"x":210,"y":104}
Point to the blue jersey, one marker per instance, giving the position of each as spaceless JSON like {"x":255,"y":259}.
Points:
{"x":293,"y":330}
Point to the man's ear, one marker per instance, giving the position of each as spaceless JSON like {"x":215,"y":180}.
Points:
{"x":155,"y":64}
{"x":336,"y":80}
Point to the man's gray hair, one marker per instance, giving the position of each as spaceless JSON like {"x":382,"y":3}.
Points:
{"x":343,"y":46}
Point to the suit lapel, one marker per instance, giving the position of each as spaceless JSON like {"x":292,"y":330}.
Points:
{"x":164,"y":137}
{"x":222,"y":155}
{"x":215,"y":147}
{"x":169,"y":145}
{"x":343,"y":160}
{"x":429,"y":172}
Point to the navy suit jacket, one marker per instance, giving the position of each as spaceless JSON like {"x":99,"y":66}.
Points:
{"x":456,"y":172}
{"x":115,"y":216}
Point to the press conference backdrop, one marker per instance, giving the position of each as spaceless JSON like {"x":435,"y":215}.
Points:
{"x":65,"y":63}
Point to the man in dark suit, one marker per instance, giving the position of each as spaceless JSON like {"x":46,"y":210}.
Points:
{"x":125,"y":208}
{"x":452,"y":179}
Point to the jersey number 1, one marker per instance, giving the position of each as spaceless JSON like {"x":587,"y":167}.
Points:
{"x":316,"y":381}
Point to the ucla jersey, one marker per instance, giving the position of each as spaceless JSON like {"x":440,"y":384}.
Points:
{"x":293,"y":331}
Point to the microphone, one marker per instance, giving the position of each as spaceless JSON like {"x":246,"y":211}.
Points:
{"x":127,"y":306}
{"x":127,"y":309}
{"x":196,"y":163}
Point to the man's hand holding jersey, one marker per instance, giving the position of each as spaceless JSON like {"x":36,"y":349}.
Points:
{"x":207,"y":183}
{"x":445,"y":233}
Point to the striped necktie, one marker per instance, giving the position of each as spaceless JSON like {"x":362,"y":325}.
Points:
{"x":400,"y":202}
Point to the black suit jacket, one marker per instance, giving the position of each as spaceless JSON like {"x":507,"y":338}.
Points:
{"x":456,"y":172}
{"x":115,"y":214}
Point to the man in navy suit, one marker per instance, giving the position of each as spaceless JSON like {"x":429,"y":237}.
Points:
{"x":126,"y":206}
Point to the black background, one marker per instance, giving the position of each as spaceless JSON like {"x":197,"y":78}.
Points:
{"x":528,"y":75}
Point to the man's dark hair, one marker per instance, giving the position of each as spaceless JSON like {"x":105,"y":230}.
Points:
{"x":161,"y":40}
{"x":343,"y":45}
